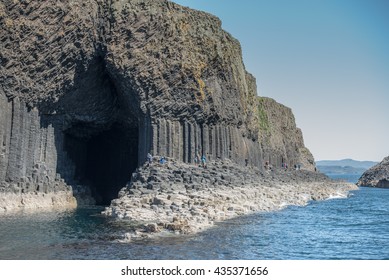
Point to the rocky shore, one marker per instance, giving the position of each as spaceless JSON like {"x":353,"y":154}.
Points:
{"x":36,"y":201}
{"x":128,"y":78}
{"x":184,"y":198}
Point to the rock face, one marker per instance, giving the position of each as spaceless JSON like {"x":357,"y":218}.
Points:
{"x":279,"y":137}
{"x":88,"y":88}
{"x":377,"y":176}
{"x":187,"y":198}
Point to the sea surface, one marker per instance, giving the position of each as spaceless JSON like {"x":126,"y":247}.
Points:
{"x":353,"y":228}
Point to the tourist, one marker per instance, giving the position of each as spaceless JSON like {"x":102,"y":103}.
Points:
{"x":162,"y":160}
{"x":203,"y":161}
{"x":149,"y":159}
{"x":197,"y":159}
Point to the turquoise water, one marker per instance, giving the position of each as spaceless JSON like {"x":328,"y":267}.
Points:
{"x":353,"y":228}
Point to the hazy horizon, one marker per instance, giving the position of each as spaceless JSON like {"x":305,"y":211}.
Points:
{"x":328,"y":61}
{"x":344,"y":159}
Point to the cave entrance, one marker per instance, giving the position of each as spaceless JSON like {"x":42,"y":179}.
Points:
{"x":111,"y":157}
{"x":104,"y":161}
{"x":101,"y":133}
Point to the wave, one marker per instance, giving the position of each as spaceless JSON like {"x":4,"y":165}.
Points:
{"x":337,"y":196}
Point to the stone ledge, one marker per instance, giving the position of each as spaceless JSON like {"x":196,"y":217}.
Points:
{"x":36,"y":202}
{"x":195,"y":205}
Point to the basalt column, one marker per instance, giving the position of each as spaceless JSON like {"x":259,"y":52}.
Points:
{"x":88,"y":88}
{"x":90,"y":144}
{"x":182,"y":140}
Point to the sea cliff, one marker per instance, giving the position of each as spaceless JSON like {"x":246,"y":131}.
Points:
{"x":89,"y":88}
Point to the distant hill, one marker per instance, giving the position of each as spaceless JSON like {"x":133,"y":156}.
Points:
{"x":347,"y":162}
{"x":340,"y":170}
{"x":344,"y":166}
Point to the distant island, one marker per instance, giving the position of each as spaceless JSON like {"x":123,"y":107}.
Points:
{"x":344,"y":166}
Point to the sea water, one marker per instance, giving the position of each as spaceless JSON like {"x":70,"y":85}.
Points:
{"x":353,"y":228}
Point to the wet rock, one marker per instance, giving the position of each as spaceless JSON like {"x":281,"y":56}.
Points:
{"x":195,"y":206}
{"x":132,"y":77}
{"x":152,"y":228}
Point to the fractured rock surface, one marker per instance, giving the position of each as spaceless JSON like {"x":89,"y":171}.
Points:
{"x":187,"y":198}
{"x":88,"y":88}
{"x":376,"y":176}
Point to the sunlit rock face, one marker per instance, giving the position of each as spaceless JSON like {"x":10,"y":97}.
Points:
{"x":377,"y":176}
{"x":88,"y":88}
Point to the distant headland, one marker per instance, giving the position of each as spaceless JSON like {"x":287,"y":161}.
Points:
{"x":344,"y":166}
{"x":377,"y":176}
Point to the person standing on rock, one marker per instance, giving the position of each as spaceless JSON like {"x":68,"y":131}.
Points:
{"x":149,"y":158}
{"x":197,"y":158}
{"x":204,"y":161}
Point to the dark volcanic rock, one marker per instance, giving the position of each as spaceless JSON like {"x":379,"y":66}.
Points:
{"x":228,"y":190}
{"x":377,"y":176}
{"x":88,"y":88}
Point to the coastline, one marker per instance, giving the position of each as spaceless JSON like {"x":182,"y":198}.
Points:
{"x":181,"y":198}
{"x":186,"y":199}
{"x":11,"y":203}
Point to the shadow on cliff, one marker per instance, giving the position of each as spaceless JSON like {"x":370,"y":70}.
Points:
{"x":96,"y":135}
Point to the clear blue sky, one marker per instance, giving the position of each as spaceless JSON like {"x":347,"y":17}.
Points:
{"x":327,"y":60}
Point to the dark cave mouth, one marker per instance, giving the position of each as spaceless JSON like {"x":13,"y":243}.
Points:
{"x":100,"y":133}
{"x":105,"y":160}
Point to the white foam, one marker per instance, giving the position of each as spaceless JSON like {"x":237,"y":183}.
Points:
{"x":337,"y":196}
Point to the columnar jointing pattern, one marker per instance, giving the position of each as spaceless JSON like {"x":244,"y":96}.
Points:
{"x":88,"y":88}
{"x":28,"y":155}
{"x":182,"y":140}
{"x":89,"y":143}
{"x":38,"y":152}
